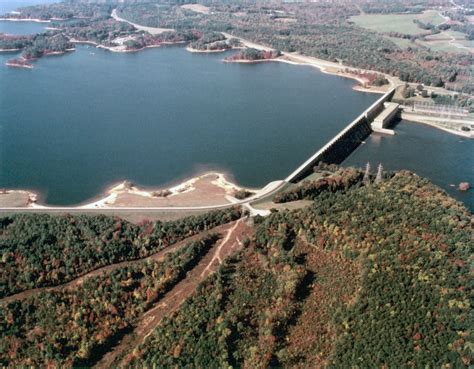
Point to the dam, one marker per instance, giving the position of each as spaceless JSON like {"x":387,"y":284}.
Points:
{"x":346,"y":141}
{"x":385,"y":118}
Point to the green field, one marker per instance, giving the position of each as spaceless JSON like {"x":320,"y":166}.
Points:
{"x":444,"y":42}
{"x":431,"y":16}
{"x":402,"y":43}
{"x":402,"y":23}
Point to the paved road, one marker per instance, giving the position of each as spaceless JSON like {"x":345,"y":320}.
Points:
{"x":267,"y":191}
{"x":152,"y":30}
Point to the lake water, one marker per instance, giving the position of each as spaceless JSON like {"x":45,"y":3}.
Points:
{"x":7,"y":6}
{"x":444,"y":158}
{"x":77,"y":123}
{"x":19,"y":28}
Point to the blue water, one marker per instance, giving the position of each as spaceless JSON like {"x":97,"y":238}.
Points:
{"x":444,"y":158}
{"x":77,"y":123}
{"x":19,"y":28}
{"x":7,"y":6}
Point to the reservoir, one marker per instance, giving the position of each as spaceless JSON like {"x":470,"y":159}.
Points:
{"x":21,"y":28}
{"x":77,"y":123}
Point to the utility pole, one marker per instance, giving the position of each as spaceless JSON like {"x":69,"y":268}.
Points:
{"x":378,"y":177}
{"x":366,"y":179}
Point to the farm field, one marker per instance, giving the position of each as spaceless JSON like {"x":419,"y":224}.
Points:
{"x":397,"y":22}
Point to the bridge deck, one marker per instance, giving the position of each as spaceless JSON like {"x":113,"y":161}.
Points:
{"x":314,"y":158}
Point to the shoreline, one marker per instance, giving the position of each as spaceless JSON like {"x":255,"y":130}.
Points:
{"x":245,"y":61}
{"x":109,"y":197}
{"x":358,"y":87}
{"x":447,"y":130}
{"x":197,"y":51}
{"x":322,"y":65}
{"x":120,"y":49}
{"x":9,"y":50}
{"x":35,"y":20}
{"x":11,"y":63}
{"x":115,"y":195}
{"x":16,"y":65}
{"x":339,"y":72}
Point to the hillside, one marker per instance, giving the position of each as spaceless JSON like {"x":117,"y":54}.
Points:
{"x":375,"y":273}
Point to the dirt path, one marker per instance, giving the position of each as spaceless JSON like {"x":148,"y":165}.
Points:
{"x":178,"y":294}
{"x":217,"y":255}
{"x":109,"y":268}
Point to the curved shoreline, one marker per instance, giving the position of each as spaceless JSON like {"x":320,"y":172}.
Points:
{"x":35,"y":20}
{"x":107,"y":200}
{"x":447,"y":130}
{"x":115,"y":196}
{"x":197,"y":51}
{"x":120,"y":48}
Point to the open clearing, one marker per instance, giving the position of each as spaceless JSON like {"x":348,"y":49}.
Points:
{"x":198,"y":8}
{"x":402,"y":23}
{"x":448,"y":41}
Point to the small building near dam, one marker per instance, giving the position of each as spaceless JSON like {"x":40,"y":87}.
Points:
{"x":383,"y":120}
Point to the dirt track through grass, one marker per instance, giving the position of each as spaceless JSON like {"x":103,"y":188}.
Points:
{"x":172,"y":300}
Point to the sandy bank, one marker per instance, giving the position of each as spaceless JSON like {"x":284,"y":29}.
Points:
{"x":17,"y":198}
{"x":324,"y":66}
{"x":208,"y":189}
{"x":52,"y":53}
{"x":16,"y":65}
{"x":25,"y":20}
{"x":327,"y":70}
{"x":197,"y":51}
{"x":245,"y":61}
{"x":411,"y":119}
{"x":122,"y":48}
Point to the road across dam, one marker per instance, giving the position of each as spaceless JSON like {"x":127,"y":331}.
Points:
{"x":344,"y":143}
{"x":334,"y":152}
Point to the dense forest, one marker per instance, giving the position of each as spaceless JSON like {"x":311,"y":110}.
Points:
{"x":214,"y":41}
{"x":71,"y":326}
{"x":399,"y":6}
{"x":375,"y":273}
{"x":64,"y":11}
{"x":252,"y":55}
{"x":41,"y":250}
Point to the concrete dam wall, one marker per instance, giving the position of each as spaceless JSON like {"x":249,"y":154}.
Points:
{"x":345,"y":142}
